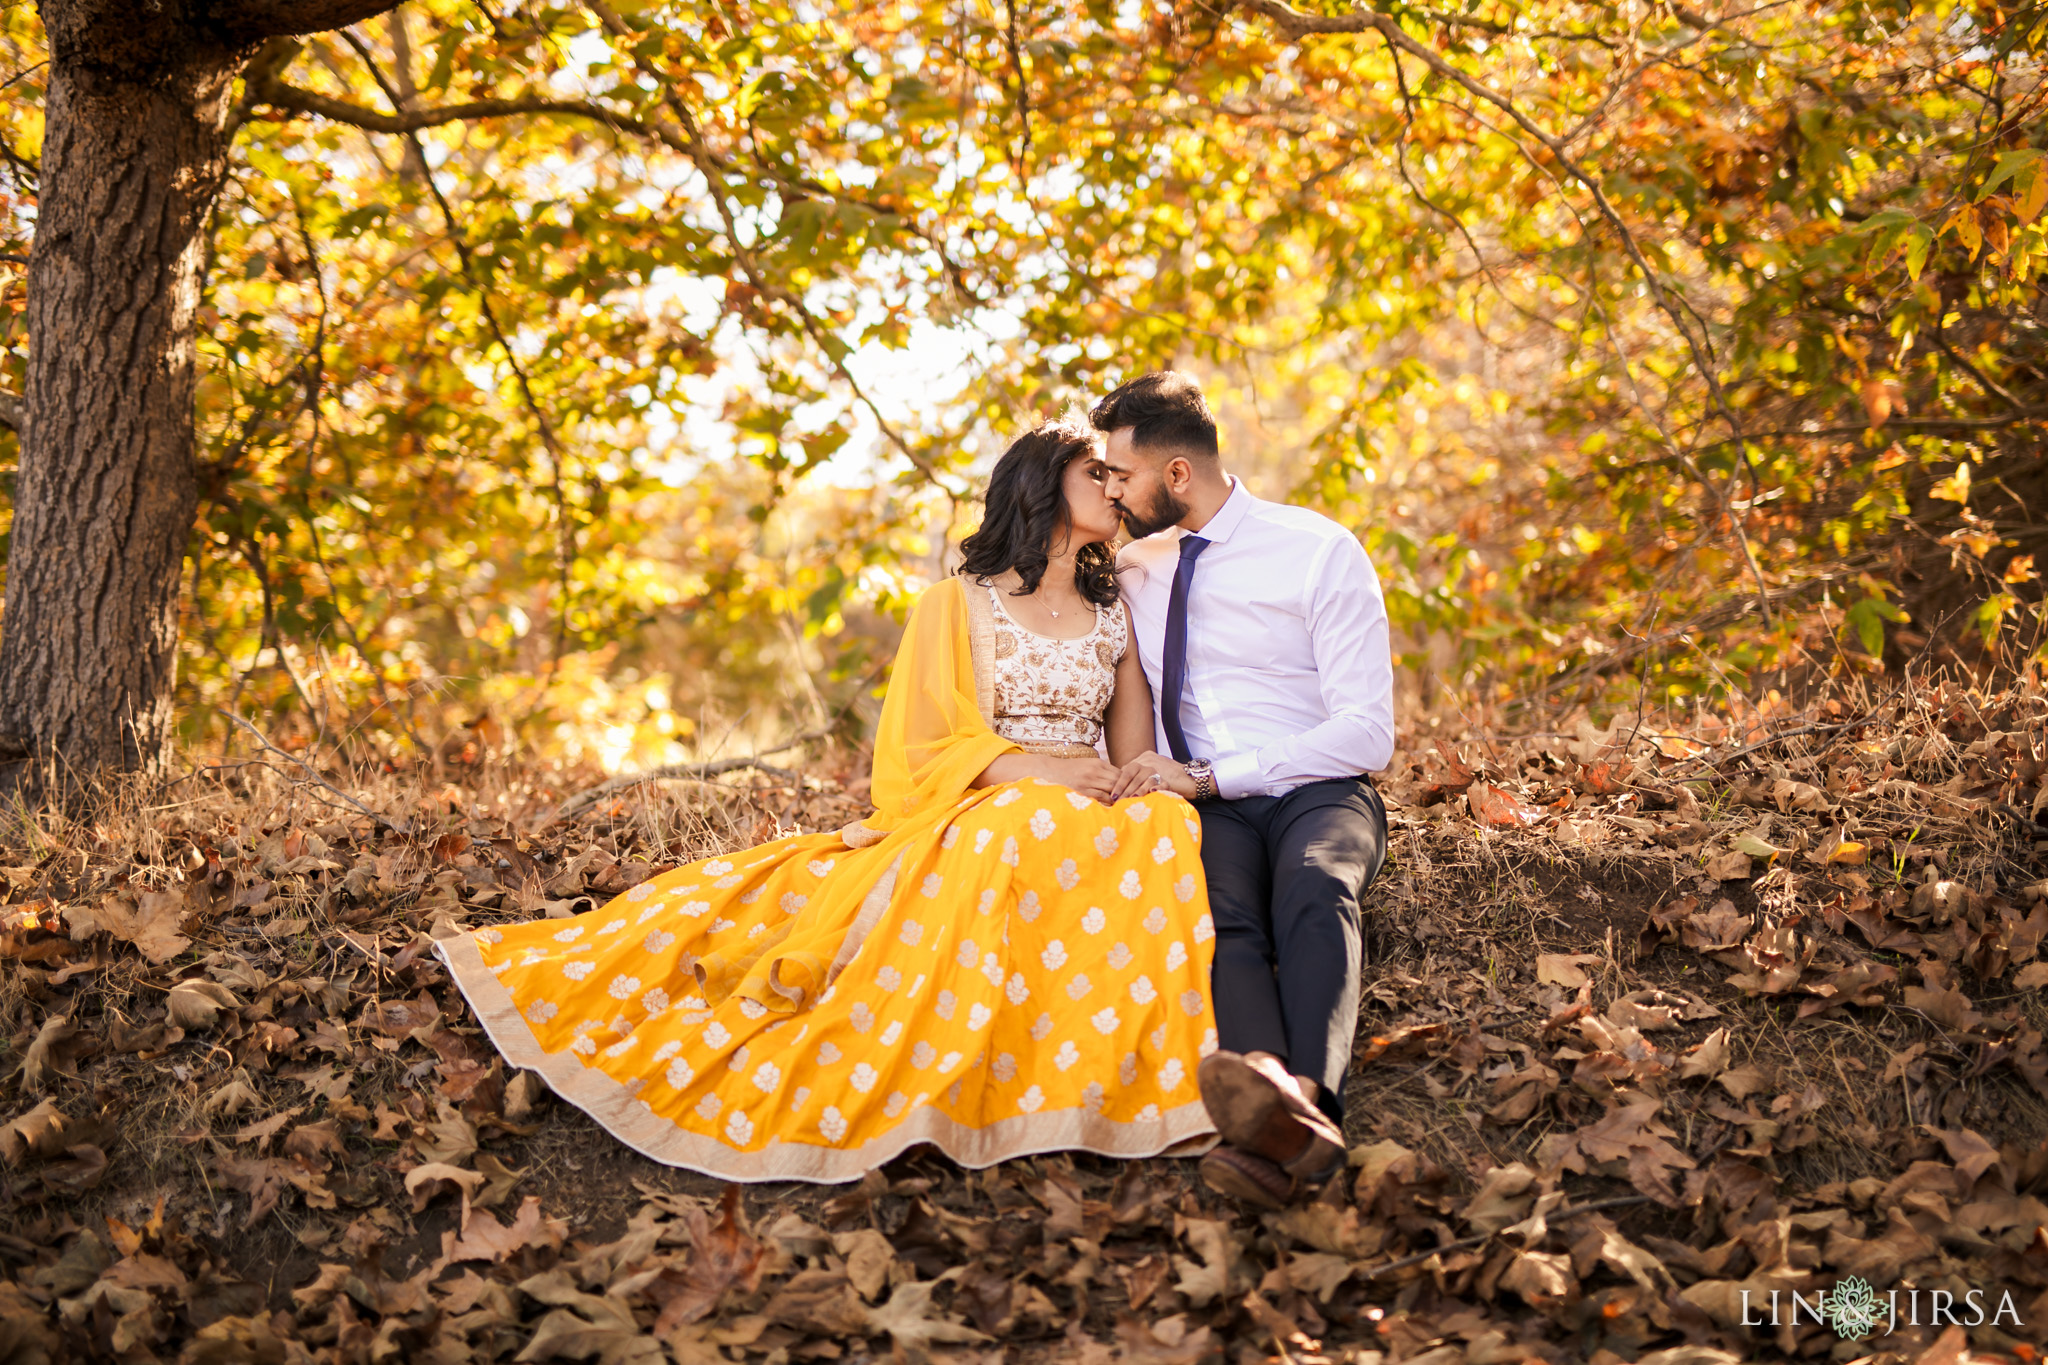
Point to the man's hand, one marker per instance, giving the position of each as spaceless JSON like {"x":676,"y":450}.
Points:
{"x":1137,"y":777}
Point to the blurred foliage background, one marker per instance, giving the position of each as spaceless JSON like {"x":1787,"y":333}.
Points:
{"x":603,"y":380}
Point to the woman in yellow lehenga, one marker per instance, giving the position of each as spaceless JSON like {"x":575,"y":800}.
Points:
{"x":995,"y":961}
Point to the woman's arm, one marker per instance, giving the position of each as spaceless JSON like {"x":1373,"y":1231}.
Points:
{"x":1129,"y":727}
{"x":1090,"y":776}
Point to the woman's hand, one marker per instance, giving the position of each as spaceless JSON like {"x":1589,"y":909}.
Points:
{"x":1136,"y":777}
{"x":1088,"y":776}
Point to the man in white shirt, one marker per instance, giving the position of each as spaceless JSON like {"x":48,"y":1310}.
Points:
{"x":1264,"y":637}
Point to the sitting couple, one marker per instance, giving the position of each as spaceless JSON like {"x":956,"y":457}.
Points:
{"x":1027,"y":947}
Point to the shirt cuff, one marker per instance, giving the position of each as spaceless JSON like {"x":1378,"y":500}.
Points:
{"x":1239,"y":775}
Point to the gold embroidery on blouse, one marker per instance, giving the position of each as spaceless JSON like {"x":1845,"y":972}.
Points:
{"x":1055,"y":692}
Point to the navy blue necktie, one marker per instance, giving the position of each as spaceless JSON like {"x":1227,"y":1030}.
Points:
{"x":1173,"y":668}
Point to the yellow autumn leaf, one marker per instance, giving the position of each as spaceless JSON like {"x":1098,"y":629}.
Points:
{"x":1964,"y":222}
{"x":2021,"y":569}
{"x":2035,"y":198}
{"x":1978,"y":543}
{"x":1954,"y":488}
{"x":1850,"y":853}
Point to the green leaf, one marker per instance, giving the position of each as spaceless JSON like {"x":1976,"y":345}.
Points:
{"x":2010,"y":164}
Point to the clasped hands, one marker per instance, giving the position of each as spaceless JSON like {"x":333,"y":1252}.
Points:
{"x":1108,"y":783}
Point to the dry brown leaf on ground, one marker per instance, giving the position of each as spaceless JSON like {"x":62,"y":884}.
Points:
{"x":435,"y":1178}
{"x":1632,"y":1136}
{"x":150,"y":921}
{"x":1491,"y":805}
{"x":1732,"y":866}
{"x":868,"y":1258}
{"x":263,"y":1179}
{"x":1708,"y":1059}
{"x":1564,"y":969}
{"x":724,"y":1255}
{"x":1318,"y":1272}
{"x":231,"y":1099}
{"x":1720,"y":926}
{"x":1544,"y":1280}
{"x":819,"y":1301}
{"x":913,"y":1321}
{"x":1504,"y":1196}
{"x":41,"y":1065}
{"x":1169,"y":1341}
{"x":1341,"y":1232}
{"x":196,"y":1005}
{"x":38,"y":1133}
{"x":615,"y":1340}
{"x":265,"y":1129}
{"x":1216,"y":1274}
{"x":484,"y":1238}
{"x":1743,"y":1080}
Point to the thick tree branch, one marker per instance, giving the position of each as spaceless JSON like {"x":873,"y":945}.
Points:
{"x":248,"y":21}
{"x":266,"y":89}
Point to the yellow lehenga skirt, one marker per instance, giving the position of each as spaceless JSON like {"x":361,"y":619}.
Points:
{"x":1029,"y":973}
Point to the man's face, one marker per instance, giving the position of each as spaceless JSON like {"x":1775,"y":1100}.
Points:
{"x":1137,"y":484}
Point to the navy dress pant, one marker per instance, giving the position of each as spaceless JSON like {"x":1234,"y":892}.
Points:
{"x":1285,"y":876}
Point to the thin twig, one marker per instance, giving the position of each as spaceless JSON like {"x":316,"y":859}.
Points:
{"x":396,"y":826}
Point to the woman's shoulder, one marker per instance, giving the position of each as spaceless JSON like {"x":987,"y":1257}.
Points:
{"x":949,"y":602}
{"x":942,"y":595}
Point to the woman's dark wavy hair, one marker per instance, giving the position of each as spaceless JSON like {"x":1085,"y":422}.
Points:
{"x":1025,"y":511}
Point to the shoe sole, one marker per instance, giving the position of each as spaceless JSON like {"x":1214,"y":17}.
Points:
{"x":1250,"y":1112}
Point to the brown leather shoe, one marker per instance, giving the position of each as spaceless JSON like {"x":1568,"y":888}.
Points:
{"x":1256,"y":1108}
{"x":1248,"y":1178}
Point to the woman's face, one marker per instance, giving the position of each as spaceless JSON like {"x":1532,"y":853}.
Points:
{"x":1090,"y":513}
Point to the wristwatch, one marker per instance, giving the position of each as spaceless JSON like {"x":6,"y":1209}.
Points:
{"x":1204,"y":773}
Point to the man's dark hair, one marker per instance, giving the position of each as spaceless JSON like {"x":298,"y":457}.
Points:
{"x":1164,"y":411}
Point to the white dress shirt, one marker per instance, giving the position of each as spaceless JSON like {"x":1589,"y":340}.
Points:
{"x":1289,"y":675}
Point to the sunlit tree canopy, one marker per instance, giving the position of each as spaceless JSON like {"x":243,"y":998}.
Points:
{"x":611,"y":374}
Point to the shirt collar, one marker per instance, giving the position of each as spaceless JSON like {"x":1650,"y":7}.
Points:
{"x":1228,"y":516}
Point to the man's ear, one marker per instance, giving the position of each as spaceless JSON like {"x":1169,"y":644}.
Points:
{"x":1179,"y":473}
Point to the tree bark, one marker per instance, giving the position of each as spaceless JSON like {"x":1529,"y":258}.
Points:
{"x":135,"y":150}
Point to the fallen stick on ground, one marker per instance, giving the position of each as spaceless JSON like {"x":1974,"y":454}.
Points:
{"x":682,"y":772}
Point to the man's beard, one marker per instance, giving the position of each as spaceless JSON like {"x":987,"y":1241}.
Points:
{"x":1165,"y":511}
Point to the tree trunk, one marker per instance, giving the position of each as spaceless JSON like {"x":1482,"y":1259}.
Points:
{"x":104,"y":504}
{"x":134,"y":151}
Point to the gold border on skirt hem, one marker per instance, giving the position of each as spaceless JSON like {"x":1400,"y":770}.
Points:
{"x":632,"y":1122}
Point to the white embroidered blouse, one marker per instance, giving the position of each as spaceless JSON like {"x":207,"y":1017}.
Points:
{"x":1053,"y":694}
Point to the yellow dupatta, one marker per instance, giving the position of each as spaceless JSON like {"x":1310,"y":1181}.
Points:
{"x":933,"y":741}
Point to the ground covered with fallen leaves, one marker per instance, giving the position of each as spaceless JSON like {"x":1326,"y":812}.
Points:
{"x":1652,"y":1019}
